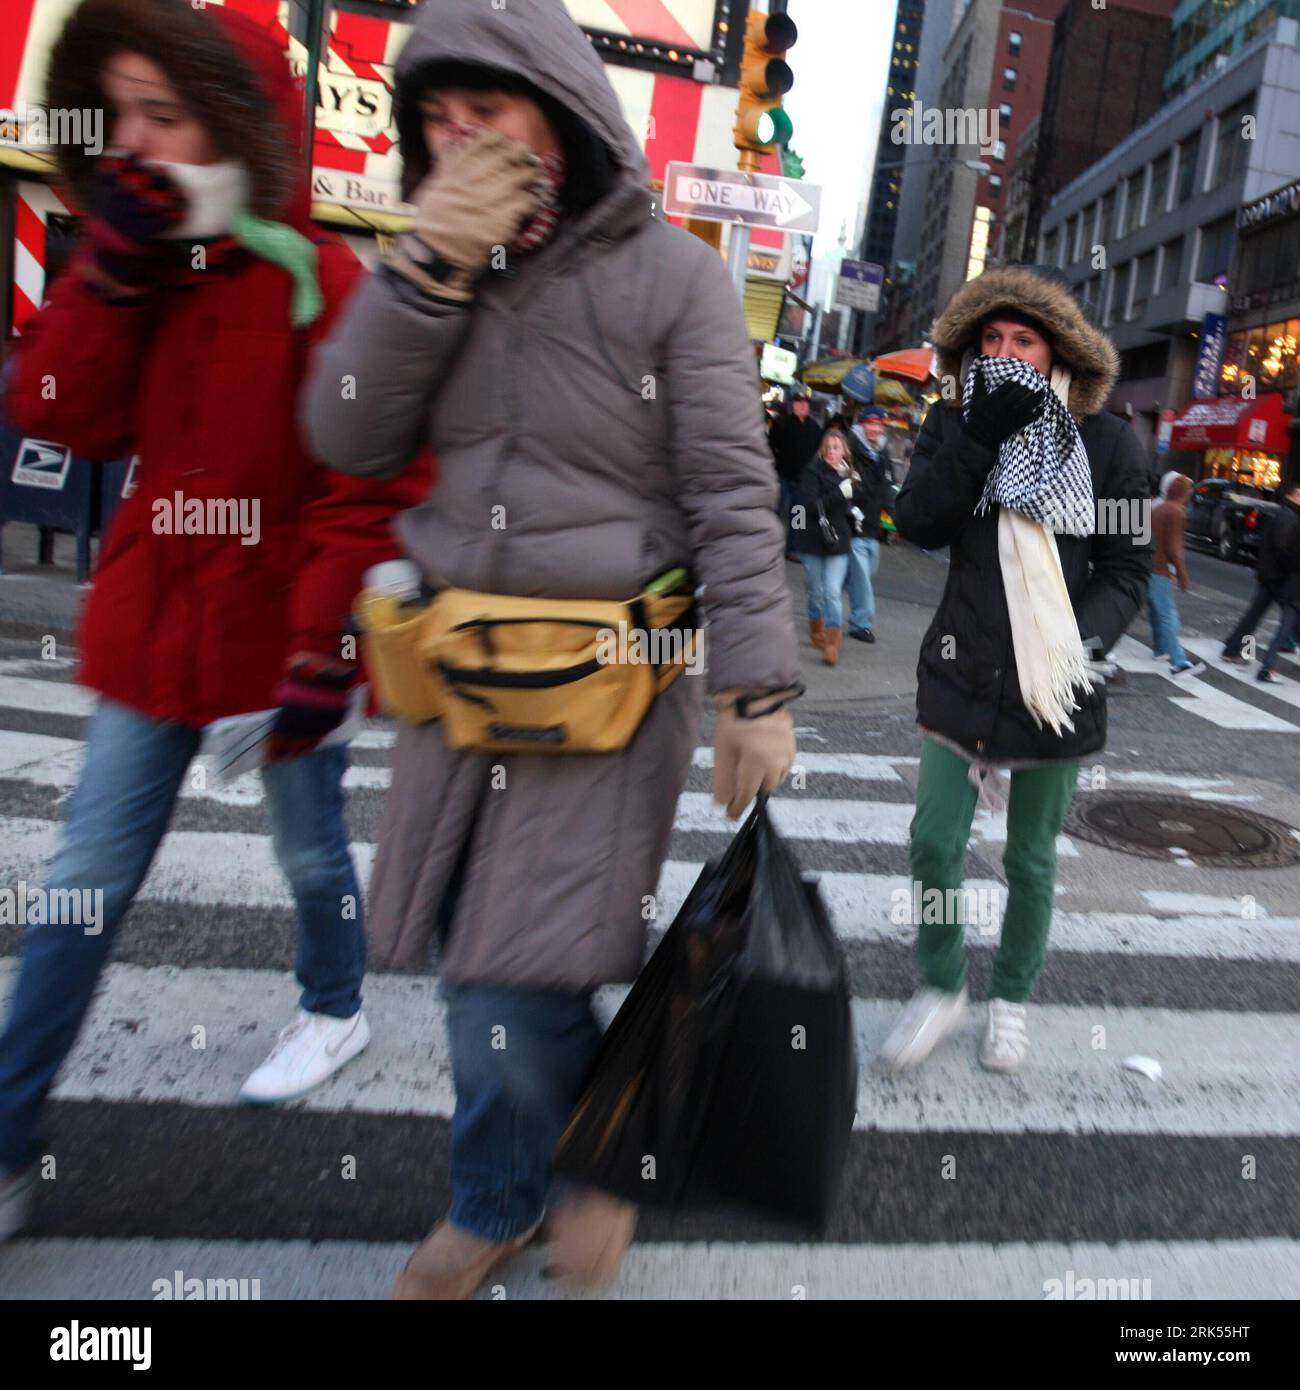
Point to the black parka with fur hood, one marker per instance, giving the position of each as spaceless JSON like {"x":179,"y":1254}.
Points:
{"x":968,"y":685}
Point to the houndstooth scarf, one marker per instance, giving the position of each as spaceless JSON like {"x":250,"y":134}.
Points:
{"x":1043,"y":484}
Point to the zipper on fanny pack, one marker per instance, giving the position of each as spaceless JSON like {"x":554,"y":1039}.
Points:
{"x":523,"y":680}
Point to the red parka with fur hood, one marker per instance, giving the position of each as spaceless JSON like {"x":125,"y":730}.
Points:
{"x":201,"y":382}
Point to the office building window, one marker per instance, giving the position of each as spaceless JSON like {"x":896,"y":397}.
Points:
{"x":1143,"y":282}
{"x":1216,"y":250}
{"x":1171,"y":267}
{"x":1008,"y":79}
{"x":1049,"y":247}
{"x":1132,"y":203}
{"x":1004,"y":113}
{"x":1187,"y":154}
{"x":1107,"y":218}
{"x":1092,"y":296}
{"x":995,"y":184}
{"x":1231,"y":149}
{"x":1159,"y":193}
{"x":1013,"y":43}
{"x":1000,"y":151}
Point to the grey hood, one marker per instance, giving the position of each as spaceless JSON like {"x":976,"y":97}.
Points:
{"x":534,"y":40}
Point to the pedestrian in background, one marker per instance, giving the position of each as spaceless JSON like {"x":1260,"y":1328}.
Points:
{"x":1278,"y":581}
{"x":832,"y":499}
{"x":872,"y":462}
{"x":1168,"y":567}
{"x":1007,"y":474}
{"x":535,"y":275}
{"x":794,"y":439}
{"x":194,"y":363}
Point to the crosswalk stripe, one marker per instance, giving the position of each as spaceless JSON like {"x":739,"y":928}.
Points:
{"x":60,"y":1269}
{"x":834,"y":821}
{"x":1287,"y":691}
{"x":1199,"y":696}
{"x":138,"y":1044}
{"x":238,"y":871}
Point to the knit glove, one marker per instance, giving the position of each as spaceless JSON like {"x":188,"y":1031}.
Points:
{"x":313,"y":701}
{"x":132,"y":210}
{"x":478,"y":197}
{"x":749,"y":755}
{"x":993,"y":417}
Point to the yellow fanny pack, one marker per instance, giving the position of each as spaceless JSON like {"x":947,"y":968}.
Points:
{"x":529,"y":675}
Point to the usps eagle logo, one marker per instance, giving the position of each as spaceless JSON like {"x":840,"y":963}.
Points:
{"x":42,"y":464}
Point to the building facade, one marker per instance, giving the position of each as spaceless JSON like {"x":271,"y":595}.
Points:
{"x":1082,"y":118}
{"x":1148,"y":235}
{"x":1207,"y":34}
{"x":996,"y":65}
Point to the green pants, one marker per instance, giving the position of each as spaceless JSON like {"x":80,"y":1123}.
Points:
{"x":945,"y":807}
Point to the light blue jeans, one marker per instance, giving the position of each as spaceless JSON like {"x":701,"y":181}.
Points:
{"x":864,"y":562}
{"x":1163,"y":612}
{"x":826,"y":575}
{"x":117,"y":817}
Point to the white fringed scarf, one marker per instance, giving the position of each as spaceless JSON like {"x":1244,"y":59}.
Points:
{"x":1043,"y":485}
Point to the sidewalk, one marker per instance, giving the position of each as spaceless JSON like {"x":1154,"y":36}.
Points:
{"x":39,"y":600}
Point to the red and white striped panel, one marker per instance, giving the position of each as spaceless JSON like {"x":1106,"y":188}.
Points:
{"x":686,"y":23}
{"x":34,"y":203}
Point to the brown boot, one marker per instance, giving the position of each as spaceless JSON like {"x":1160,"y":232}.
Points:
{"x":817,"y":631}
{"x":452,"y":1263}
{"x":591,"y":1234}
{"x":831,"y":647}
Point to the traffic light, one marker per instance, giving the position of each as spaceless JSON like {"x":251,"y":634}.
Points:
{"x":762,"y":126}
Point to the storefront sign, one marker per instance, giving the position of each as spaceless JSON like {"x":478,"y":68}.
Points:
{"x":1285,"y":202}
{"x":1205,"y":379}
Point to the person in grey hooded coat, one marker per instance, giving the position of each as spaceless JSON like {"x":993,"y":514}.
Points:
{"x":584,"y":375}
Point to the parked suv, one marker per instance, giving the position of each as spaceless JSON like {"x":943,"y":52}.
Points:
{"x":1230,"y":516}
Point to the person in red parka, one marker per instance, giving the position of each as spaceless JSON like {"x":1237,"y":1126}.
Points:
{"x":180,"y":333}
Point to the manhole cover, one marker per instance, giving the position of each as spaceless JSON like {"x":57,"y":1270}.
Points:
{"x":1174,"y":827}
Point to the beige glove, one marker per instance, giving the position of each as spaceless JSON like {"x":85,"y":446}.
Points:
{"x":749,"y":755}
{"x":477,"y":198}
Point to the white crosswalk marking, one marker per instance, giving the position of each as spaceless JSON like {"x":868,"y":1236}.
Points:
{"x":1196,"y":695}
{"x":1231,"y":1061}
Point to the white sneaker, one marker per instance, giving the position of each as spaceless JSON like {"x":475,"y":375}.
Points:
{"x":310,"y":1050}
{"x":1006,"y":1039}
{"x":929,"y":1017}
{"x":15,"y":1201}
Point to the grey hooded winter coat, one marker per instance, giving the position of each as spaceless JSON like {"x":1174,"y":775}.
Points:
{"x":596,"y":417}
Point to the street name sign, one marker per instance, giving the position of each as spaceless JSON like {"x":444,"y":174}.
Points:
{"x":756,"y":200}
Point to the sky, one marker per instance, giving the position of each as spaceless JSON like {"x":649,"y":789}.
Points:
{"x":840,"y":65}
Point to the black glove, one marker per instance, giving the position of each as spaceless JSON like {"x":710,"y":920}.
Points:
{"x":993,"y":417}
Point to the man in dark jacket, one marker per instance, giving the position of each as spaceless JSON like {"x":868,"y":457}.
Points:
{"x":872,"y":462}
{"x":971,"y":698}
{"x":794,"y":439}
{"x":1278,"y":573}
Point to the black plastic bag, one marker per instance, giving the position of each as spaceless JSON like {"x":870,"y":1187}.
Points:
{"x":730,"y":1072}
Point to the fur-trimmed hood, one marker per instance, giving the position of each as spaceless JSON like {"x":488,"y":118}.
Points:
{"x":230,"y":72}
{"x":1085,"y":350}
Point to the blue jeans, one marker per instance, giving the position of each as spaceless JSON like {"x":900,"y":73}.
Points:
{"x":117,"y":817}
{"x":826,"y":575}
{"x":864,"y":561}
{"x":1164,"y":619}
{"x":519,"y":1059}
{"x":1250,"y":620}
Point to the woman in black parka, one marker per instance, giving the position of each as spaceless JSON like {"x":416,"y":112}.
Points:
{"x":1042,"y":501}
{"x":831,"y":510}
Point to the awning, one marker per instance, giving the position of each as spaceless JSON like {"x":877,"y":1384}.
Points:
{"x":1228,"y":422}
{"x":763,"y":301}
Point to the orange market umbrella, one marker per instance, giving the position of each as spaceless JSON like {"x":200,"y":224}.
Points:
{"x":912,"y":364}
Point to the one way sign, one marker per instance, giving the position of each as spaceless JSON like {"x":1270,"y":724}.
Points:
{"x":758,"y":200}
